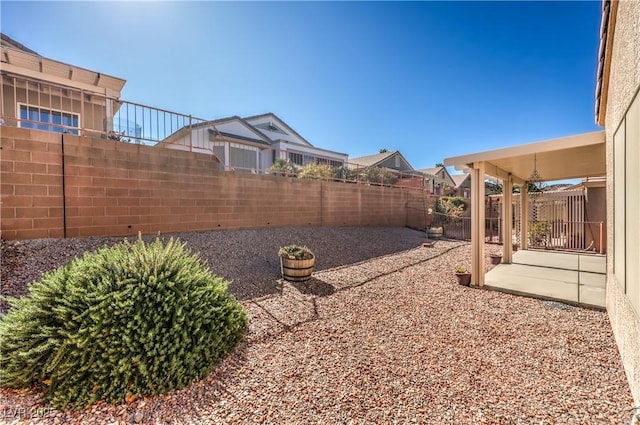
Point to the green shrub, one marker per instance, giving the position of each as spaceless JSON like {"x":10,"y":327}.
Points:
{"x":129,"y":320}
{"x":295,"y":252}
{"x":377,"y":175}
{"x":344,"y":173}
{"x":451,"y":205}
{"x":539,"y":232}
{"x":316,"y":172}
{"x":283,"y":167}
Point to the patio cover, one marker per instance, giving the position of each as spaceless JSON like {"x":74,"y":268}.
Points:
{"x":582,"y":155}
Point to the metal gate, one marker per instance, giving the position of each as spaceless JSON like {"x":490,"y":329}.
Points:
{"x":557,"y":220}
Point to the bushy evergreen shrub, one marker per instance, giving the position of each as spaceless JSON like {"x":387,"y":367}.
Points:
{"x":129,"y":320}
{"x":283,"y":167}
{"x":377,"y":175}
{"x":451,"y":205}
{"x":316,"y":172}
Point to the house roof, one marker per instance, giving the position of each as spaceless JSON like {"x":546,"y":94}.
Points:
{"x":376,"y":159}
{"x":433,"y":170}
{"x":22,"y":61}
{"x":259,"y":136}
{"x":259,"y":139}
{"x":607,"y":29}
{"x":458,"y":179}
{"x":236,"y":136}
{"x":7,"y":41}
{"x":291,"y":146}
{"x":582,"y":155}
{"x":275,"y":117}
{"x":371,"y":160}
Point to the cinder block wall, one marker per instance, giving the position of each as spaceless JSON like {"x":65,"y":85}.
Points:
{"x":114,"y":189}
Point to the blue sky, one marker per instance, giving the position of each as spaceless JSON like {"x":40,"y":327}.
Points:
{"x":431,"y":79}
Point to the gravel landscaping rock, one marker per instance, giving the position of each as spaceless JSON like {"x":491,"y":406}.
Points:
{"x":381,"y":334}
{"x":246,"y":257}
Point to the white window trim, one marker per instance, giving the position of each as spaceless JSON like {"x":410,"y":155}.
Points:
{"x":314,"y":155}
{"x":61,"y":111}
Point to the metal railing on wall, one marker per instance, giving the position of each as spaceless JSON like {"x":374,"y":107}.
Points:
{"x":561,"y":235}
{"x":46,"y":106}
{"x":454,"y":227}
{"x":39,"y":105}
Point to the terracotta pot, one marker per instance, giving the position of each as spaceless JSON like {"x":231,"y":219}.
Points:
{"x":464,"y":279}
{"x":296,"y":270}
{"x":496,"y":259}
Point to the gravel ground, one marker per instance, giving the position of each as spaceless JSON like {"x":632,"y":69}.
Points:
{"x":381,"y":334}
{"x":246,"y":257}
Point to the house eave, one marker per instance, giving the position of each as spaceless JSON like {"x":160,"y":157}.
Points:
{"x":607,"y":29}
{"x":22,"y":63}
{"x":315,"y":148}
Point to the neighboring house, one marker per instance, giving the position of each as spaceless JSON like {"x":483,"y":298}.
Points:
{"x":618,"y":110}
{"x":443,"y":184}
{"x":45,"y":94}
{"x":394,"y":163}
{"x":288,"y":144}
{"x":462,"y":184}
{"x":251,"y":144}
{"x":392,"y":160}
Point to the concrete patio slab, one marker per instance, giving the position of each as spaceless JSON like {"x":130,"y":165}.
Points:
{"x":547,"y":259}
{"x":593,"y":263}
{"x":576,"y":278}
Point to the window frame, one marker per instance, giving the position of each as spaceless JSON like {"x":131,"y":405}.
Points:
{"x":52,"y":127}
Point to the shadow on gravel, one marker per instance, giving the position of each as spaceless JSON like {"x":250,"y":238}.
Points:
{"x":315,"y":287}
{"x":248,"y":258}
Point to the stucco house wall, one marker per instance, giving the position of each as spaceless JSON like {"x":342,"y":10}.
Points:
{"x":623,"y":85}
{"x":46,"y":86}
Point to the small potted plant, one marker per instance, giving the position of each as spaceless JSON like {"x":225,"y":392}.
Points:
{"x":463,"y":276}
{"x":296,"y":263}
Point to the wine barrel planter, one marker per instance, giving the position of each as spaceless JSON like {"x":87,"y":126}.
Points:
{"x":296,"y":270}
{"x":434,"y":232}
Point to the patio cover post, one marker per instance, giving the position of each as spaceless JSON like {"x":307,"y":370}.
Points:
{"x":524,"y":215}
{"x":477,"y":223}
{"x":507,"y":218}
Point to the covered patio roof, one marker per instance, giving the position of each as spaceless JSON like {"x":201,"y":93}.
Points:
{"x":582,"y":155}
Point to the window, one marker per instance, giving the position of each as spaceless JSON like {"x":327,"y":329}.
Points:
{"x":304,"y":159}
{"x":296,"y":158}
{"x":48,"y":119}
{"x":218,"y":150}
{"x":626,"y":225}
{"x":243,"y":160}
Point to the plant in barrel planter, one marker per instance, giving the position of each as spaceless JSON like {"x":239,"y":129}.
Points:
{"x":432,"y":232}
{"x":296,"y":263}
{"x":495,"y":258}
{"x":463,"y":276}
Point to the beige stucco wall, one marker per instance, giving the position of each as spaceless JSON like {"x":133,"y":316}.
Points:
{"x":623,"y":83}
{"x":93,"y":113}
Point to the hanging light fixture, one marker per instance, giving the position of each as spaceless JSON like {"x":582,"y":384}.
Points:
{"x":534,"y":179}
